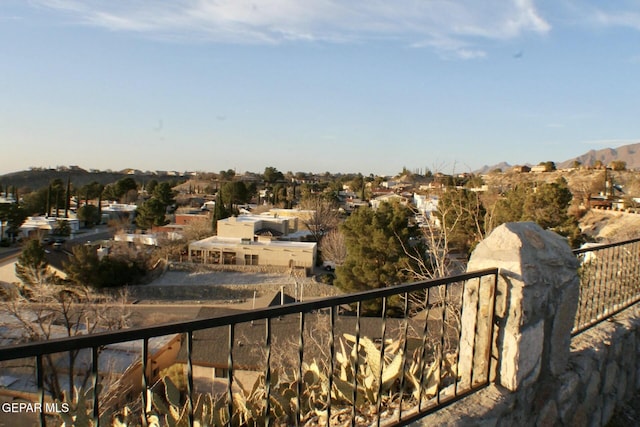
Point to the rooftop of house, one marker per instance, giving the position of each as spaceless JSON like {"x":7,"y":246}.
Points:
{"x":222,"y":242}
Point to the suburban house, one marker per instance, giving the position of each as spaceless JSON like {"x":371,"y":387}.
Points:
{"x":389,"y":198}
{"x":539,"y":169}
{"x":521,"y":169}
{"x":35,"y":225}
{"x":264,"y":240}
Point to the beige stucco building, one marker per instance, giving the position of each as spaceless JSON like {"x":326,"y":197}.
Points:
{"x":265,"y":240}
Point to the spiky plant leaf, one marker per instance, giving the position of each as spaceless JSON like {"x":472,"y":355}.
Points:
{"x":392,"y":371}
{"x":172,"y":393}
{"x":342,"y":391}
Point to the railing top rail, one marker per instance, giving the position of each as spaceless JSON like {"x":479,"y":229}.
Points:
{"x":604,"y":246}
{"x":139,"y":333}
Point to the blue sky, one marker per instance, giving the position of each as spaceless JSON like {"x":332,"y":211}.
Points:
{"x":325,"y":85}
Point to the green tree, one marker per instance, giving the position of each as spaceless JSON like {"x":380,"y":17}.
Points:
{"x":35,"y":202}
{"x":475,"y":181}
{"x":164,"y":193}
{"x":124,"y":190}
{"x":151,"y":213}
{"x":14,"y":215}
{"x":89,"y":215}
{"x":234,"y":193}
{"x":508,"y":208}
{"x":85,"y":268}
{"x":151,"y":185}
{"x":376,"y":241}
{"x":62,"y":228}
{"x":124,"y":185}
{"x":81,"y":268}
{"x":32,"y":267}
{"x":227,"y":175}
{"x":546,"y":204}
{"x":56,"y":196}
{"x":357,"y":185}
{"x":618,"y":165}
{"x":549,"y":166}
{"x":219,"y":212}
{"x":272,"y":175}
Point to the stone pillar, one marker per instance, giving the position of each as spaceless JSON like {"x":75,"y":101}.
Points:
{"x":537,"y":298}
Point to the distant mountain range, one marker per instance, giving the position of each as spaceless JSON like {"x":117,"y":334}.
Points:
{"x":630,"y":154}
{"x":40,"y":177}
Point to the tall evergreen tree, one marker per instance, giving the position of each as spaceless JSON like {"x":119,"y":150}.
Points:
{"x":32,"y":267}
{"x":219,"y":211}
{"x":377,"y":243}
{"x":67,"y":198}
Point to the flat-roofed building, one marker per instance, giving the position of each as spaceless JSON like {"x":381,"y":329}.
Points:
{"x":262,"y":251}
{"x":258,"y":240}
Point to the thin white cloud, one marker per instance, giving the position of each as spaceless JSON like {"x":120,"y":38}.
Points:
{"x":417,"y":23}
{"x":599,"y":14}
{"x":629,"y":19}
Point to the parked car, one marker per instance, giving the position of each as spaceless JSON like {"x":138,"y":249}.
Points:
{"x":329,"y":265}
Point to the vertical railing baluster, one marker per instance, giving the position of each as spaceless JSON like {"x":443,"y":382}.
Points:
{"x":230,"y":374}
{"x":440,"y":369}
{"x":267,"y":377}
{"x":598,"y":273}
{"x":492,"y":325}
{"x":459,"y":313}
{"x":356,"y":364}
{"x":190,"y":376}
{"x":384,"y":329}
{"x":614,"y":283}
{"x":40,"y":385}
{"x":623,"y":288}
{"x":95,"y":377}
{"x":472,"y":379}
{"x":607,"y":281}
{"x":629,"y":294}
{"x":423,"y":349}
{"x":587,"y":288}
{"x":632,"y":272}
{"x":145,"y":382}
{"x":332,"y":351}
{"x":635,"y":252}
{"x":300,"y":373}
{"x":404,"y":352}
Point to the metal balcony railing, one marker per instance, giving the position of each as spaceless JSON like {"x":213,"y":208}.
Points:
{"x":380,"y":357}
{"x":609,"y":281}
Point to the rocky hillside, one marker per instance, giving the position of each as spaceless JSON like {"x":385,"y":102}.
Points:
{"x":580,"y":181}
{"x":610,"y":226}
{"x":630,"y":154}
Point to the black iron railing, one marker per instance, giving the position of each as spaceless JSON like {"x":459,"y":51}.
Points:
{"x":609,"y":281}
{"x":381,"y":357}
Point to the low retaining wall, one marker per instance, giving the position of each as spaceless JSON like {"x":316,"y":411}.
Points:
{"x":541,"y":375}
{"x":189,"y":266}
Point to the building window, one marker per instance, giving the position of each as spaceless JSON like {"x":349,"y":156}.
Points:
{"x":251,"y":260}
{"x":229,"y":258}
